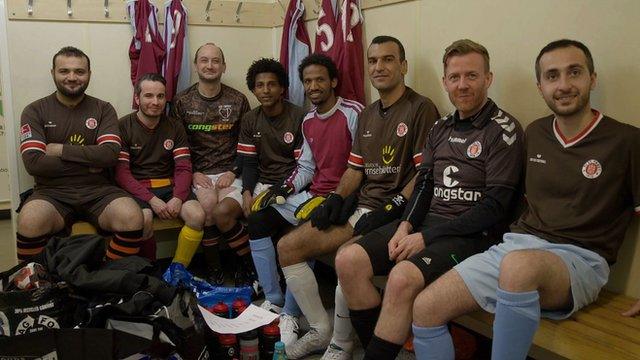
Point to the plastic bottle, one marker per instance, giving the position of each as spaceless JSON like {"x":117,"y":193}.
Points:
{"x":220,"y":309}
{"x":237,"y":307}
{"x":228,"y":347}
{"x":269,"y":336}
{"x":278,"y":351}
{"x":249,"y":345}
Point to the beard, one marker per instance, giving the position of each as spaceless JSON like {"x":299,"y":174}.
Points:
{"x":579,"y":106}
{"x":73,"y":94}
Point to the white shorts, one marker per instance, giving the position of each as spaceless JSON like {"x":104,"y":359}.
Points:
{"x":353,"y":219}
{"x":234,"y":191}
{"x":588,"y":271}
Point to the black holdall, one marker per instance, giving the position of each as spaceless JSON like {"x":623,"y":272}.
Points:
{"x":31,"y":309}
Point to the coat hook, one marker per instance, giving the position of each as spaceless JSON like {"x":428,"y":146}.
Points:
{"x":106,"y":8}
{"x":238,"y":12}
{"x":30,"y":7}
{"x":206,"y":11}
{"x":69,"y":9}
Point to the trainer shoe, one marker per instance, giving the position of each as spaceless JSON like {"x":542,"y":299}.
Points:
{"x":311,"y":343}
{"x":288,"y":329}
{"x":267,"y":305}
{"x":335,"y":352}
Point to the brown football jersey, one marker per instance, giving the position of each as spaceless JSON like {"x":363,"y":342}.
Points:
{"x":388,"y":145}
{"x":212,"y":126}
{"x":582,"y":191}
{"x":466,"y":163}
{"x":89,"y":134}
{"x":152,"y":153}
{"x":275,"y":141}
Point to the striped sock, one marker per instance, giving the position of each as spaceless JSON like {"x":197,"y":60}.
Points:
{"x":123,"y":244}
{"x":238,"y":240}
{"x":211,"y":246}
{"x":28,"y":247}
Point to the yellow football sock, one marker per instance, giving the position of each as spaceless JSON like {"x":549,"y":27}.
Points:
{"x":188,"y":242}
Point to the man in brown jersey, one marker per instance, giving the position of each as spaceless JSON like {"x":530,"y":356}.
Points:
{"x":582,"y":185}
{"x":466,"y":189}
{"x":154,"y":165}
{"x":211,"y":113}
{"x":68,"y":140}
{"x":382,"y":165}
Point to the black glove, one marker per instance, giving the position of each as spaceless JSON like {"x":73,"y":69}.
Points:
{"x":348,"y":207}
{"x":276,"y":194}
{"x":328,"y":213}
{"x":383,"y":215}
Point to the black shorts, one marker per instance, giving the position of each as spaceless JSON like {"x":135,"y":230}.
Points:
{"x":85,"y":202}
{"x":164,"y":193}
{"x":437,"y":258}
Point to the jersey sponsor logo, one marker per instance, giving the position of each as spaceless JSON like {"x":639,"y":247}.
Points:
{"x":451,"y":193}
{"x":225,"y":111}
{"x":474,"y":150}
{"x":25,"y":132}
{"x":49,"y":124}
{"x":538,"y":159}
{"x":210,"y":127}
{"x":454,"y":139}
{"x":388,"y":154}
{"x":76,"y":139}
{"x":91,"y":123}
{"x":447,"y":179}
{"x":402,"y":129}
{"x":288,"y":137}
{"x":591,"y":169}
{"x":168,"y":144}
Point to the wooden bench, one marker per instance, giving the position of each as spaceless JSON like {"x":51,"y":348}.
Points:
{"x":158,"y":224}
{"x":596,"y":332}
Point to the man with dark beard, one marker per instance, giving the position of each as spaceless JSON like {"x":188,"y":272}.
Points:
{"x":68,"y":140}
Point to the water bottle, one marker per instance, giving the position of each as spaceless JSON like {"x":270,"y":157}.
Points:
{"x":270,"y":335}
{"x":228,"y":347}
{"x":249,"y":345}
{"x":278,"y":351}
{"x":237,"y":307}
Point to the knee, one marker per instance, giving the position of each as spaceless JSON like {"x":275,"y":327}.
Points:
{"x":222,"y":216}
{"x":31,"y":224}
{"x":350,"y":262}
{"x":425,"y":310}
{"x":404,"y":281}
{"x":518,"y":271}
{"x":289,"y":250}
{"x":261,"y":224}
{"x":195,"y":218}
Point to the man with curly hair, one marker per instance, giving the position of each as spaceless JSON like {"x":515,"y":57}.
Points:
{"x":328,"y":130}
{"x":269,"y":141}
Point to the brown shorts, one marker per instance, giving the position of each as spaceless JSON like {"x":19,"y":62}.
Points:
{"x":84,"y":202}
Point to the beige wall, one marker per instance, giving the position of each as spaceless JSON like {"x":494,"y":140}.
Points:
{"x":513,"y":32}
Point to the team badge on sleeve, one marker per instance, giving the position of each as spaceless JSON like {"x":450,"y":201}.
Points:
{"x":25,"y":132}
{"x":402,"y":129}
{"x":91,"y":123}
{"x":474,"y":150}
{"x":288,"y":137}
{"x":168,"y":144}
{"x":591,"y":169}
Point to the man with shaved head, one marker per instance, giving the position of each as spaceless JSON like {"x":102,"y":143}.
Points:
{"x":211,"y":113}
